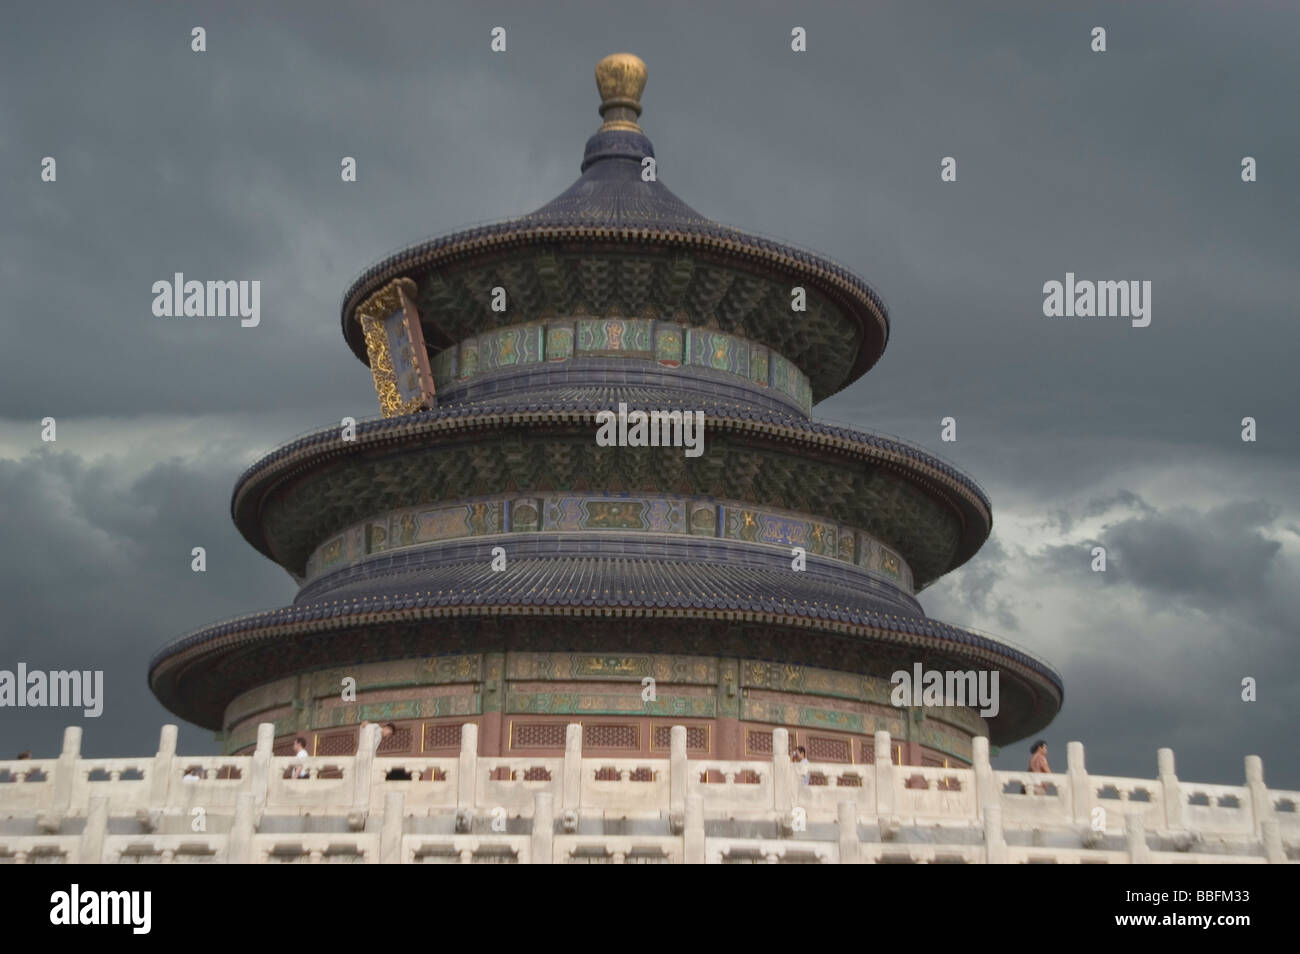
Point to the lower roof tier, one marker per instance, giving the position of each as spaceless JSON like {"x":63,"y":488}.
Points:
{"x":299,"y":497}
{"x":522,"y":703}
{"x":592,"y":603}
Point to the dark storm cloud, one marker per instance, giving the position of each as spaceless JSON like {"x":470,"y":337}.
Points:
{"x":1155,"y":649}
{"x":1123,"y":165}
{"x":1121,"y":498}
{"x":1126,"y":703}
{"x":97,"y":575}
{"x":1205,"y":559}
{"x":976,"y":585}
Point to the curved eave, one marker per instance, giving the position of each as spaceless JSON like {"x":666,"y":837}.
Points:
{"x":856,"y":298}
{"x":183,"y":665}
{"x":940,"y":479}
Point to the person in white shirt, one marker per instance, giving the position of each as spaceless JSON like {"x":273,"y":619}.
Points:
{"x":800,"y":762}
{"x":300,"y":751}
{"x":385,"y":731}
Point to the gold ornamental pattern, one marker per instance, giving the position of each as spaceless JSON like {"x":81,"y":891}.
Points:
{"x":395,"y":296}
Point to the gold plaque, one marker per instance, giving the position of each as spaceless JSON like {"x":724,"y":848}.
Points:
{"x":395,"y":347}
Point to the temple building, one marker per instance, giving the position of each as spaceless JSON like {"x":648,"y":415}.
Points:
{"x":475,"y":557}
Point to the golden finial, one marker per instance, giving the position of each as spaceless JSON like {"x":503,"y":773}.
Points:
{"x":620,"y":77}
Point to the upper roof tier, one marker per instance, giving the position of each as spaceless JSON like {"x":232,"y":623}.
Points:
{"x":619,"y":243}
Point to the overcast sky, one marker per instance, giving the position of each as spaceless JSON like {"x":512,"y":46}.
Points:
{"x":1117,"y":165}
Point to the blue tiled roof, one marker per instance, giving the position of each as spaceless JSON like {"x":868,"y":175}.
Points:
{"x":601,"y":398}
{"x":612,"y":193}
{"x":627,"y":584}
{"x":612,"y":196}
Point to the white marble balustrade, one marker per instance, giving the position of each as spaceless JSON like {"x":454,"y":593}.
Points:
{"x":169,"y":808}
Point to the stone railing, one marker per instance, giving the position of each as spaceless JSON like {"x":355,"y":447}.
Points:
{"x":571,"y":809}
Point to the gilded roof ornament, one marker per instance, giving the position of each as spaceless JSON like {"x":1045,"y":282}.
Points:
{"x":620,"y":77}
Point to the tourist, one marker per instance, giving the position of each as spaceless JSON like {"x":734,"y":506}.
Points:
{"x":386,"y":731}
{"x":300,"y":752}
{"x":6,"y":775}
{"x":800,"y":761}
{"x":192,"y":774}
{"x":1038,"y":763}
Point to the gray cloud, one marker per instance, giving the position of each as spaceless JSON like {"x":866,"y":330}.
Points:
{"x":98,"y":576}
{"x":1207,"y":560}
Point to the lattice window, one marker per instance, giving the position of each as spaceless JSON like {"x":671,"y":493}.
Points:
{"x":604,"y":736}
{"x":607,"y":773}
{"x":822,"y":749}
{"x":286,"y":747}
{"x":537,"y":773}
{"x":336,"y":743}
{"x":868,"y":752}
{"x":759,"y":743}
{"x":642,"y":775}
{"x":697,"y":738}
{"x":442,"y":736}
{"x":538,"y":735}
{"x":399,"y":741}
